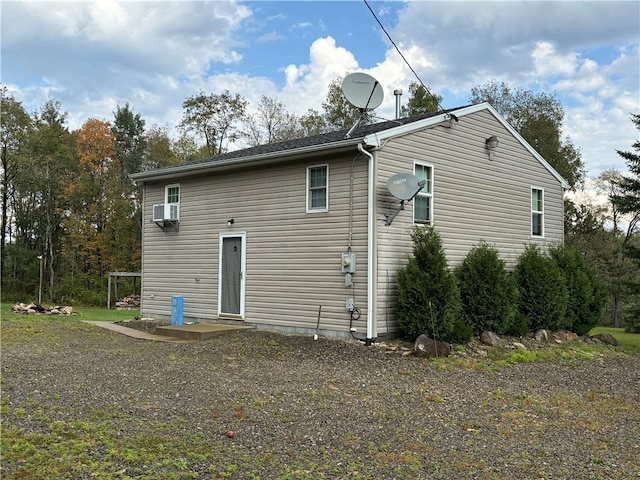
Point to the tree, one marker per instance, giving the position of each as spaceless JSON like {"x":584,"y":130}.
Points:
{"x":539,"y":119}
{"x":607,"y":184}
{"x":420,"y":101}
{"x":488,"y":293}
{"x":215,"y":118}
{"x":587,"y":297}
{"x":627,"y":201}
{"x":129,"y":140}
{"x":312,"y":123}
{"x":159,"y":149}
{"x":15,"y":126}
{"x":41,"y":184}
{"x":338,"y":112}
{"x":543,"y":293}
{"x":91,"y":196}
{"x":428,"y":299}
{"x":271,"y":123}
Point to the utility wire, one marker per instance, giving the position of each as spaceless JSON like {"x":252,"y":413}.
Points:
{"x":403,"y":58}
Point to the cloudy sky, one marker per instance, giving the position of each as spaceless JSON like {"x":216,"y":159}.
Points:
{"x":94,"y":56}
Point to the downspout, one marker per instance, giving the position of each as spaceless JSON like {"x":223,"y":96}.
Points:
{"x":371,"y":250}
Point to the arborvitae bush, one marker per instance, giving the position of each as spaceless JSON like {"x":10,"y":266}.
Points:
{"x":543,"y":293}
{"x":428,"y":298}
{"x":631,"y":316}
{"x":488,"y":293}
{"x":587,"y":296}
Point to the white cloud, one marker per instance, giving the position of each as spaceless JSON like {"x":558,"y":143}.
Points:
{"x":547,"y":61}
{"x":93,"y":56}
{"x":309,"y":81}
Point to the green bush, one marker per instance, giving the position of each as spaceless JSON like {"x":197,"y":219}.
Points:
{"x":631,"y":317}
{"x":520,"y":326}
{"x":543,"y":293}
{"x":587,"y":297}
{"x":428,"y":299}
{"x":488,"y":293}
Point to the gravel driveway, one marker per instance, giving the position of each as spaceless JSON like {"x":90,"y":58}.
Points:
{"x":126,"y":408}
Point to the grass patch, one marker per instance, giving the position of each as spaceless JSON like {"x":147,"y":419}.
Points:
{"x":624,"y":338}
{"x":81,"y":313}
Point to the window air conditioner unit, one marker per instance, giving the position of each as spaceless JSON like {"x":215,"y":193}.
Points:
{"x":166,"y":211}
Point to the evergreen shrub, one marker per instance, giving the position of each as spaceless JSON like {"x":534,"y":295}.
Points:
{"x":543,"y":293}
{"x":488,"y":293}
{"x":428,"y":299}
{"x":631,"y":316}
{"x":587,"y":297}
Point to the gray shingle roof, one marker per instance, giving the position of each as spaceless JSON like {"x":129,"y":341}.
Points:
{"x":324,"y":138}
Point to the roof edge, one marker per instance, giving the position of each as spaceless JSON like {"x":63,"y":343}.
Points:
{"x":376,"y":139}
{"x":193,"y":168}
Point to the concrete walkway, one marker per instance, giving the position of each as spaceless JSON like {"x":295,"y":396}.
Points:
{"x":188,"y":333}
{"x":132,"y":332}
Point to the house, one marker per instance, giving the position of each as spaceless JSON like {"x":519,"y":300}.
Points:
{"x":285,"y":235}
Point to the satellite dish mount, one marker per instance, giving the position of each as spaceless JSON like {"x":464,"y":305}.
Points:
{"x":405,"y":187}
{"x":363,"y":92}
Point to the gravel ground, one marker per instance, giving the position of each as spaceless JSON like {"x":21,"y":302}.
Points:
{"x":311,"y":409}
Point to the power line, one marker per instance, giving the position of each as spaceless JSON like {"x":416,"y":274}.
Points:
{"x":401,"y":55}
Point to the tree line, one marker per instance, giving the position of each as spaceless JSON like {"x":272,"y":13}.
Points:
{"x":70,"y":213}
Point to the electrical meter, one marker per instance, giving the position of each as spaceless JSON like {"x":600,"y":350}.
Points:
{"x":348,"y":262}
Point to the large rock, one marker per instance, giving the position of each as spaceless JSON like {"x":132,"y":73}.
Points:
{"x":542,"y":336}
{"x":490,"y":338}
{"x":606,"y":338}
{"x":431,"y":348}
{"x":565,"y":336}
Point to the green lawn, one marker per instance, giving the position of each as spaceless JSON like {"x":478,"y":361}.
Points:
{"x":623,"y":338}
{"x":81,"y":313}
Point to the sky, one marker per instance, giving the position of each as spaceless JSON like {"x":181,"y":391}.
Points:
{"x":93,"y":56}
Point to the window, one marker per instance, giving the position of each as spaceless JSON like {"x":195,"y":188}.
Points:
{"x":318,"y":188}
{"x":172,"y":194}
{"x":537,"y":212}
{"x":423,"y":202}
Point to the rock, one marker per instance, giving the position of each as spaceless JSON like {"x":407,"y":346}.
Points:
{"x":541,"y":336}
{"x":490,"y":338}
{"x":565,"y":335}
{"x":519,"y":345}
{"x":431,"y":348}
{"x":606,"y":338}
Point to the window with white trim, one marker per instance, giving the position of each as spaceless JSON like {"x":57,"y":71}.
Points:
{"x":537,"y":212}
{"x":172,"y":193}
{"x":318,"y":188}
{"x":423,"y":202}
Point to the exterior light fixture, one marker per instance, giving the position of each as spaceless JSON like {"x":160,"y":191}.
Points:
{"x":492,"y":144}
{"x":230,"y":222}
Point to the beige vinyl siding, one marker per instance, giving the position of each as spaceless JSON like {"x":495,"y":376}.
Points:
{"x":292,"y":257}
{"x":474,"y":198}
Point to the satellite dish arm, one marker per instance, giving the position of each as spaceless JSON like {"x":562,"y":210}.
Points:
{"x":391,"y":217}
{"x":355,"y":125}
{"x":366,"y":107}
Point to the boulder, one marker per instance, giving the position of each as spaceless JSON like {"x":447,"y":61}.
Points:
{"x":606,"y":338}
{"x":565,"y":335}
{"x":519,"y":346}
{"x":542,"y":336}
{"x":490,"y":338}
{"x":431,"y":348}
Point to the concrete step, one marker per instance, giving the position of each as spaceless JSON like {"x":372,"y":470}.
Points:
{"x":199,"y":331}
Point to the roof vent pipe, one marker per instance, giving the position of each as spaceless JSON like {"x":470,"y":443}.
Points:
{"x":398,"y":93}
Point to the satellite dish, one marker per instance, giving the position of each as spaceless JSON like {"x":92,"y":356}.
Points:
{"x":362,"y":91}
{"x":404,"y":186}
